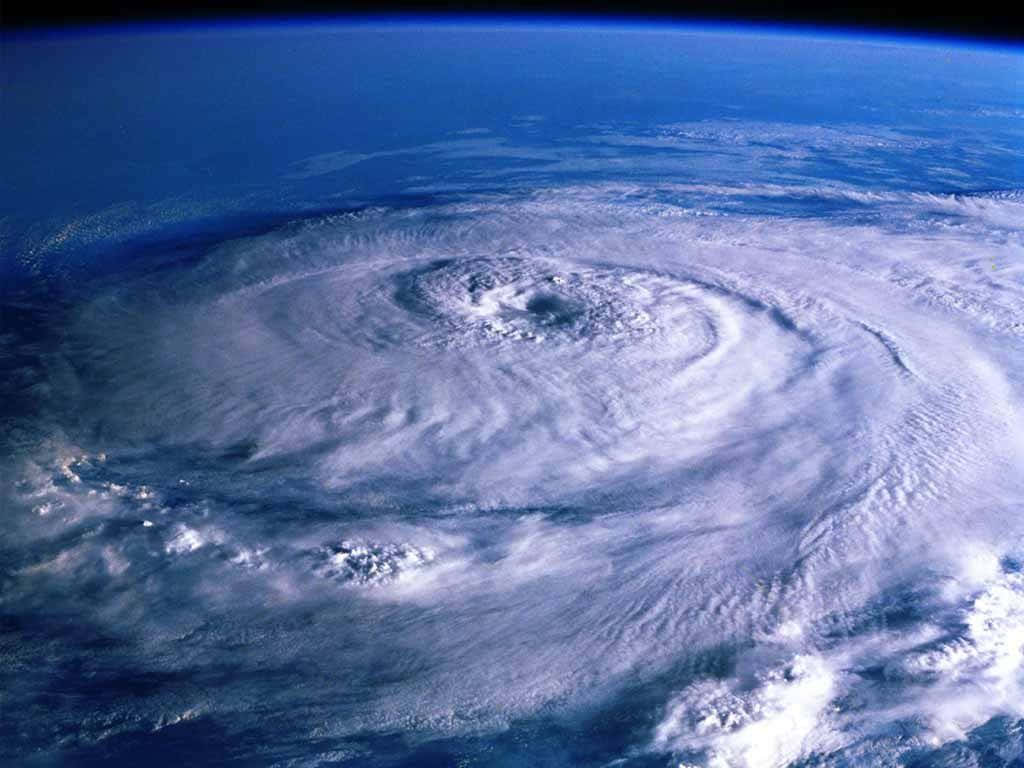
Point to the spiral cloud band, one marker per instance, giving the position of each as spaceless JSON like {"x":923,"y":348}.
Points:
{"x":746,"y":484}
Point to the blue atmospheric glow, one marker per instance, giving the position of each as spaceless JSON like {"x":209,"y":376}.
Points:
{"x":580,"y":22}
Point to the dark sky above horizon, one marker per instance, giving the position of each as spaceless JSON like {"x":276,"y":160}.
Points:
{"x":985,"y":20}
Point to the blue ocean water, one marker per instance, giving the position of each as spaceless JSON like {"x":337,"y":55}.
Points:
{"x":511,"y":394}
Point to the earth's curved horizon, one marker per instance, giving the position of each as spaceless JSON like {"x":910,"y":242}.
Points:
{"x":548,"y":394}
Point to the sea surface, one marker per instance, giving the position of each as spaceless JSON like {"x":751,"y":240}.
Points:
{"x":511,"y":394}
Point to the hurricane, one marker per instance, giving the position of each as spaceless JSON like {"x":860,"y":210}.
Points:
{"x":598,"y":472}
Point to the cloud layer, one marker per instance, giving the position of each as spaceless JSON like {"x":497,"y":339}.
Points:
{"x":445,"y":471}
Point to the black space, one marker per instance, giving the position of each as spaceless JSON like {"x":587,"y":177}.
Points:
{"x":982,"y":19}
